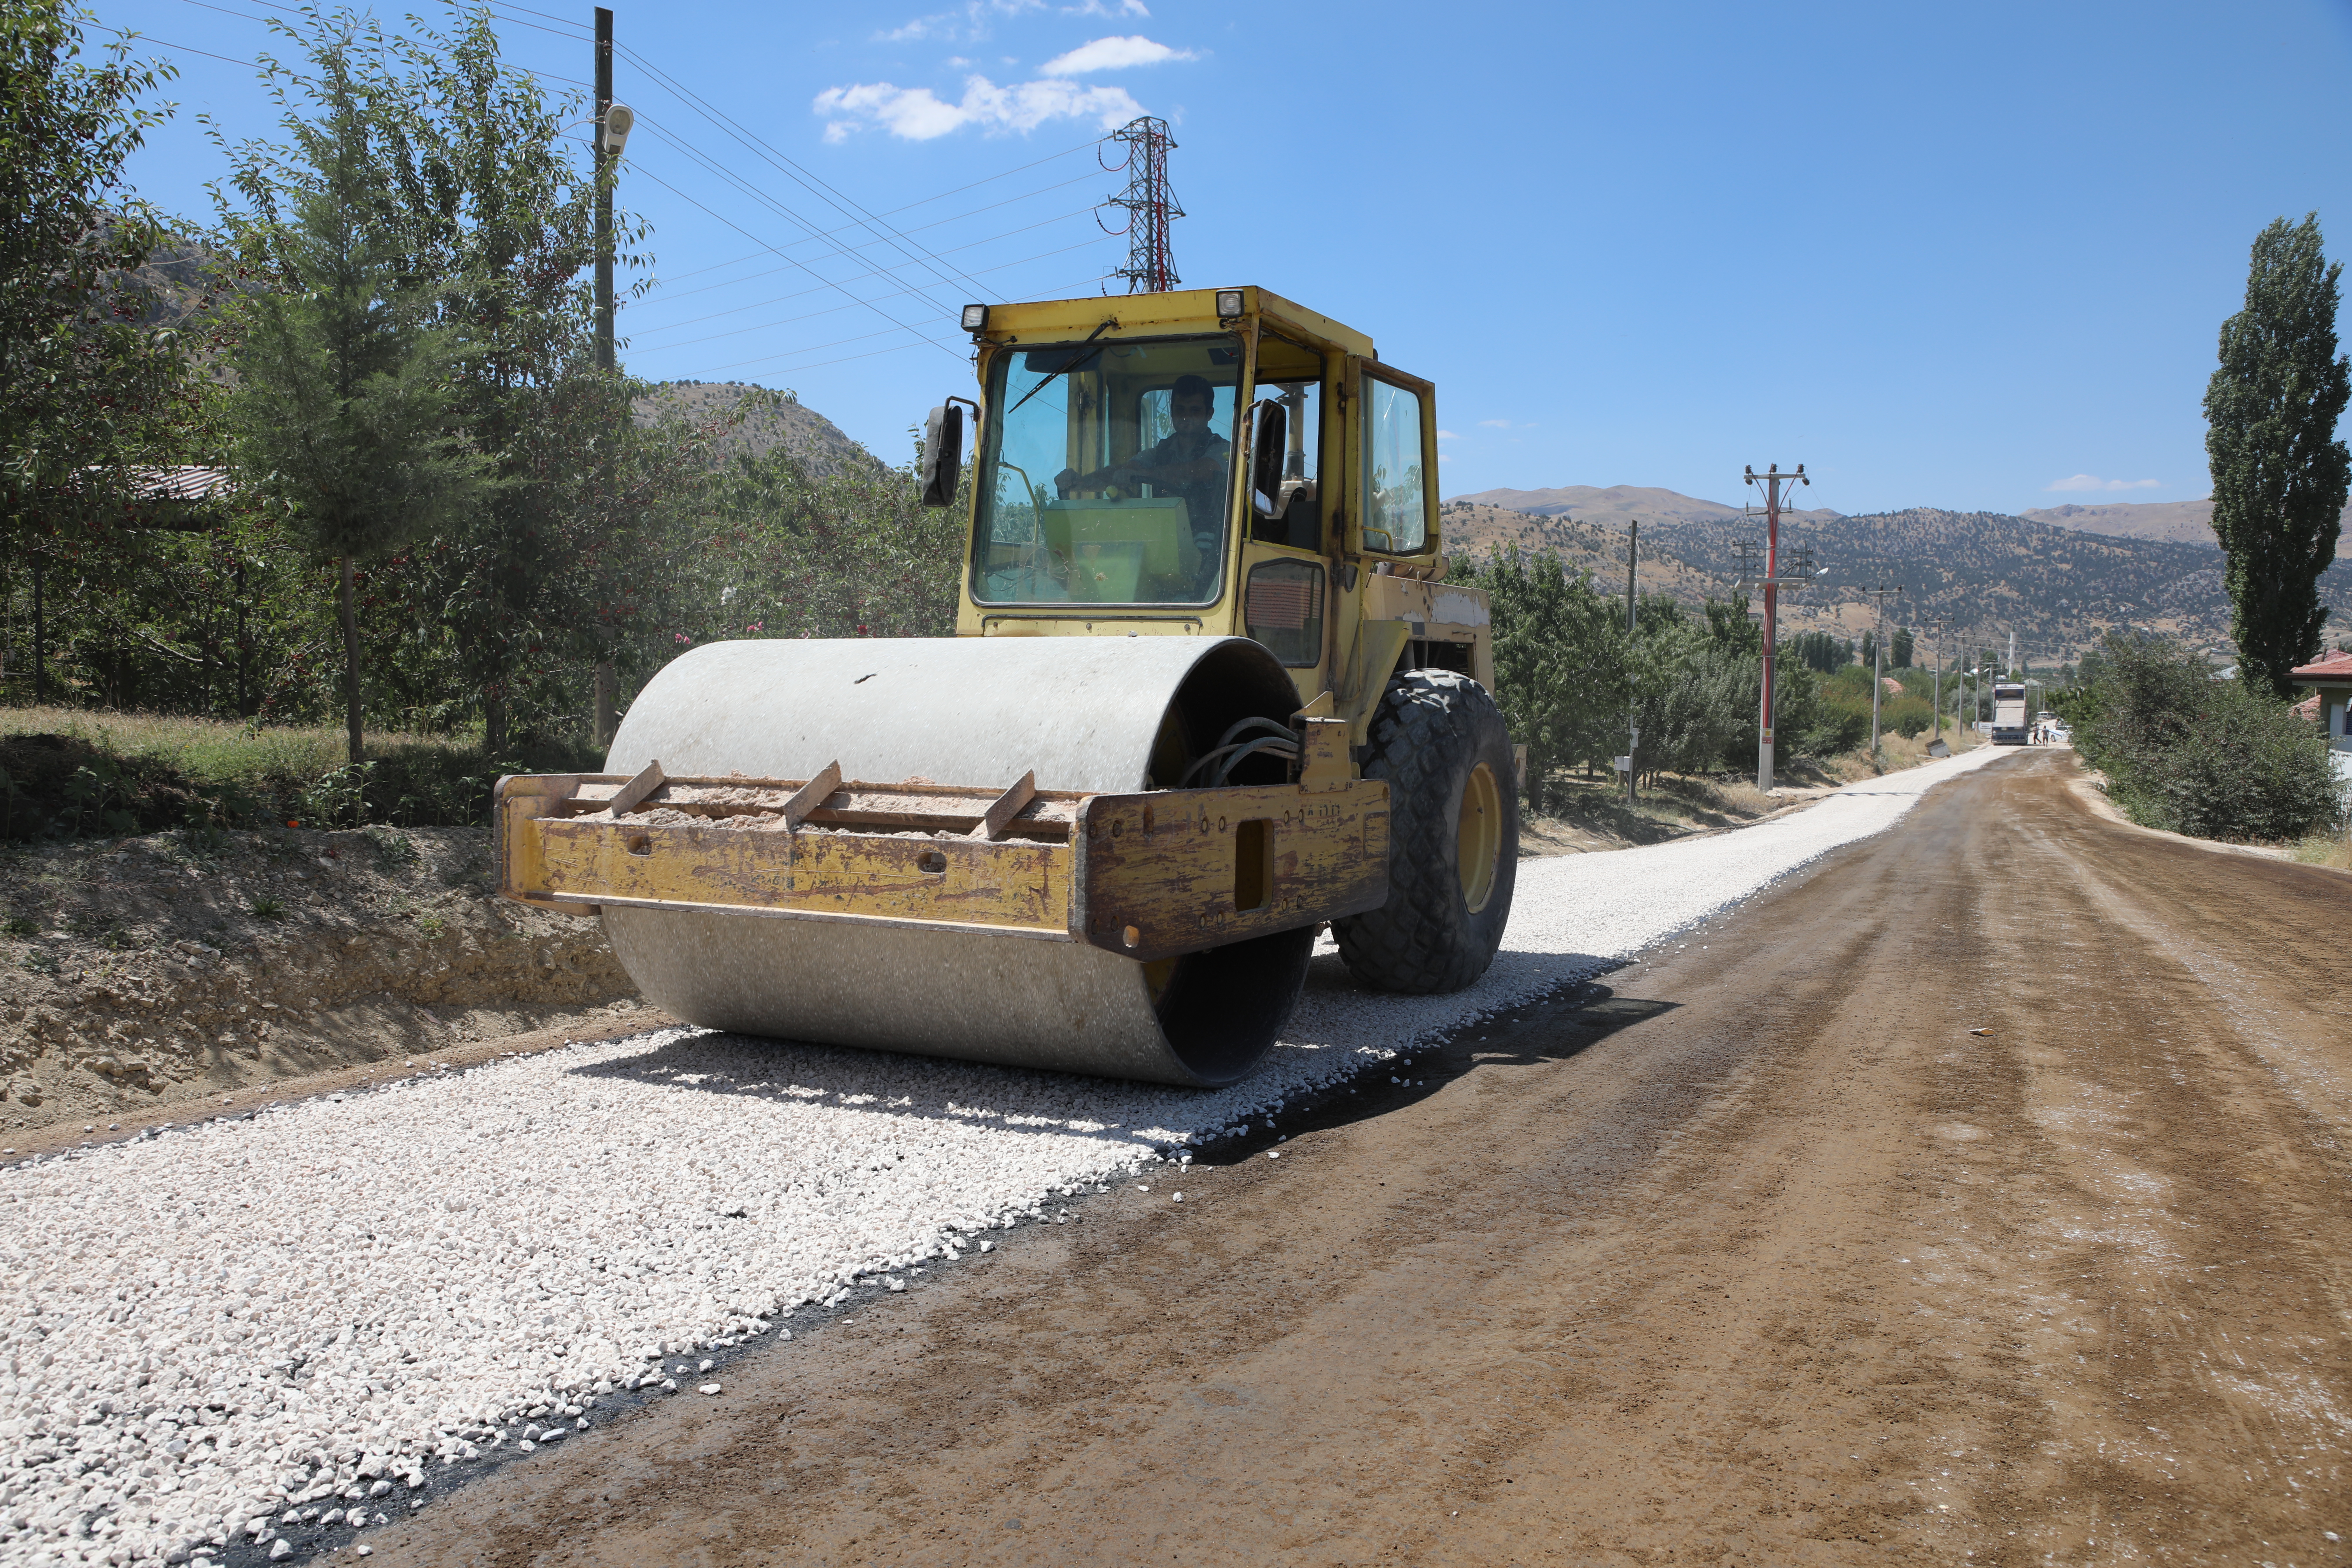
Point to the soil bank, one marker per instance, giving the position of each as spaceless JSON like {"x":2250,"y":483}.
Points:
{"x":138,"y":974}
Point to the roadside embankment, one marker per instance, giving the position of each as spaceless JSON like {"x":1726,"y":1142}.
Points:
{"x":1583,"y":813}
{"x":141,"y":973}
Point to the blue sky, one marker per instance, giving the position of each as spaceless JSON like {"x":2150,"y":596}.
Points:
{"x":1950,"y":256}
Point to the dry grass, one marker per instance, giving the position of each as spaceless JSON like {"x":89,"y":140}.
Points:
{"x":2334,"y":849}
{"x":1591,"y":812}
{"x":209,"y":751}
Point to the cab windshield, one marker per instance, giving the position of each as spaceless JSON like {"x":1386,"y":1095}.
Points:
{"x":1106,"y":472}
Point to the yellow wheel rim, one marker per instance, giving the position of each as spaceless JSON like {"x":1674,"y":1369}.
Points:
{"x":1478,"y":837}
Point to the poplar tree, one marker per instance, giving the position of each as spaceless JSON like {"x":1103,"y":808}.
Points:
{"x":2279,"y":472}
{"x":344,"y":395}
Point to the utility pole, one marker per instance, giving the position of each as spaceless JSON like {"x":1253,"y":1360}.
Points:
{"x":1937,"y":625}
{"x":1878,"y":657}
{"x":613,"y":122}
{"x":604,"y":192}
{"x":1150,"y":206}
{"x":1771,"y":480}
{"x":1633,"y":699}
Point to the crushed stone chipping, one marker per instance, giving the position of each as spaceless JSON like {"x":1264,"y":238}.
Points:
{"x":209,"y":1332}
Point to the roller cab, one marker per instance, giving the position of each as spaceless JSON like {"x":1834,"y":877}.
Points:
{"x":1210,"y":692}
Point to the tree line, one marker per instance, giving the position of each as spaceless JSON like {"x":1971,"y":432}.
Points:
{"x":444,"y":517}
{"x":1573,"y":679}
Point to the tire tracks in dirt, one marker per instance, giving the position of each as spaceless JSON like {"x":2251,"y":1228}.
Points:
{"x":1753,"y":1254}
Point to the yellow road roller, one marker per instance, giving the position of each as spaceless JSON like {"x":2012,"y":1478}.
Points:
{"x":1209,"y":692}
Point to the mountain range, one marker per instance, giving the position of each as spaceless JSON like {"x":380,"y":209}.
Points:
{"x":2174,"y":521}
{"x":1977,"y":576}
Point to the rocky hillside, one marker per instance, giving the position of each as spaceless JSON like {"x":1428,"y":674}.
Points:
{"x":758,"y":421}
{"x":1619,"y":504}
{"x":1985,"y":572}
{"x":2175,"y":522}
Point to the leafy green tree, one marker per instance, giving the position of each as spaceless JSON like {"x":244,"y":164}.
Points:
{"x":89,"y":389}
{"x":1559,"y":662}
{"x":1817,"y":652}
{"x":1727,"y":624}
{"x":2279,"y":473}
{"x":1900,"y":649}
{"x":784,"y":553}
{"x":480,"y":197}
{"x":344,"y":393}
{"x":2185,"y":752}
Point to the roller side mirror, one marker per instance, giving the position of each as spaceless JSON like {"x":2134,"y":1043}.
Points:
{"x":942,"y":462}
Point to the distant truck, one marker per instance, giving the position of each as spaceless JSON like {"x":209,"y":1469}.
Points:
{"x":2008,"y":714}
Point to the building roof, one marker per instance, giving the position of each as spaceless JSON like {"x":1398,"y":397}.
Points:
{"x":2330,"y":668}
{"x":178,"y":483}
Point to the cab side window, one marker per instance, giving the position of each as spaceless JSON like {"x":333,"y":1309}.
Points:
{"x":1396,"y":517}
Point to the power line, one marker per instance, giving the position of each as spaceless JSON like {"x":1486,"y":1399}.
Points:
{"x":126,"y":35}
{"x":747,"y":234}
{"x":801,"y":293}
{"x":1058,"y":292}
{"x":914,"y":252}
{"x":974,"y":212}
{"x":808,"y":180}
{"x":765,"y":326}
{"x":713,"y":166}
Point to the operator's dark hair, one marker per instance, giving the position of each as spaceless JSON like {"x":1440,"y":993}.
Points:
{"x":1192,"y":386}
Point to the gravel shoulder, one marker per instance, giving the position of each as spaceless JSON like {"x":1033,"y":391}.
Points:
{"x":1838,"y":1231}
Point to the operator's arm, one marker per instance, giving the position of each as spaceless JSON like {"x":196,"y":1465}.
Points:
{"x":1162,"y":465}
{"x":1123,"y":473}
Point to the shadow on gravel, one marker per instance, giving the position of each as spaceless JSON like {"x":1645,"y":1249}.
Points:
{"x":1548,"y":1028}
{"x":906,"y":1087}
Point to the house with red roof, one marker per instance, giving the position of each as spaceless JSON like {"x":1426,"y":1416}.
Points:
{"x":2330,"y":703}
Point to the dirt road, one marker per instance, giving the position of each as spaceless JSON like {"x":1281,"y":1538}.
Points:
{"x":1757,"y":1254}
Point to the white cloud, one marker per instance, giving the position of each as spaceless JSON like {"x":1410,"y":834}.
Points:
{"x":1495,"y":423}
{"x":1113,"y":54}
{"x":1447,"y":435}
{"x":917,"y":114}
{"x":961,"y":25}
{"x":1098,"y":8}
{"x":2093,"y":482}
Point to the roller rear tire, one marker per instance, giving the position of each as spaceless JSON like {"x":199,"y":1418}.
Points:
{"x":1454,"y":837}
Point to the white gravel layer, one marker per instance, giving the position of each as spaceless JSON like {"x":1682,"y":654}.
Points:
{"x":203,"y":1329}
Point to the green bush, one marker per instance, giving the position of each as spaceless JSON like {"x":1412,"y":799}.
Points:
{"x":2189,"y":754}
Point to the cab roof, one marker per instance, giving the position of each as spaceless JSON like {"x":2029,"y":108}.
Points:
{"x":1181,"y":309}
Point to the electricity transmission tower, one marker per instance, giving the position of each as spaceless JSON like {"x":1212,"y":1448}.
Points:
{"x":1150,"y":206}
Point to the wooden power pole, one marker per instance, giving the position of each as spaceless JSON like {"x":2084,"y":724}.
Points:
{"x":1770,"y":481}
